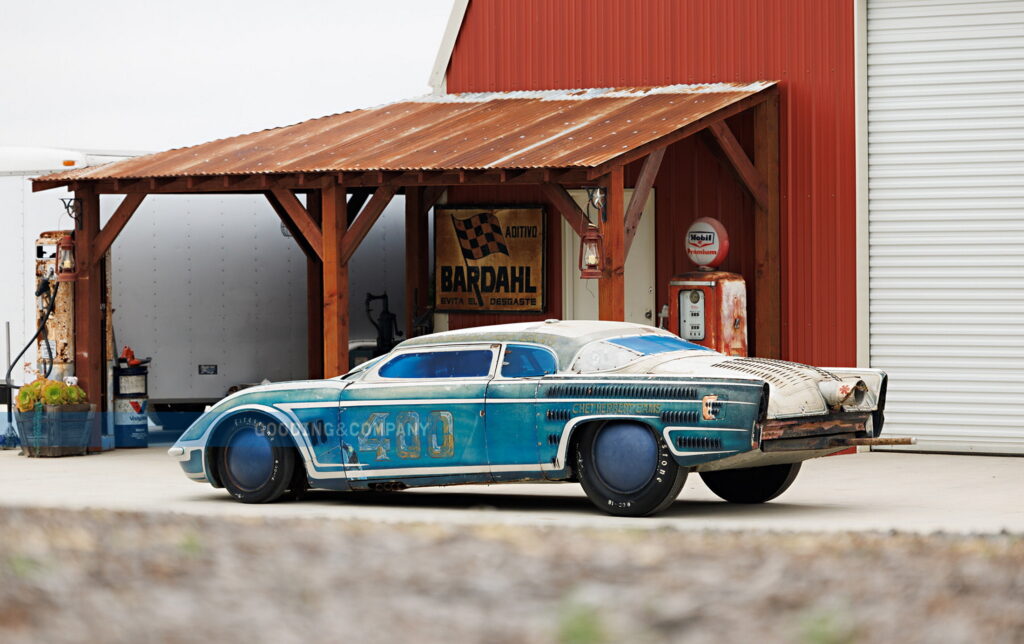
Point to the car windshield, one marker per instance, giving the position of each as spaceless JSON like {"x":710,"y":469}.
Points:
{"x":604,"y":355}
{"x":362,"y":367}
{"x":651,"y":344}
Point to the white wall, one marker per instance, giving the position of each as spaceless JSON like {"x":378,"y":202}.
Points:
{"x":209,"y":280}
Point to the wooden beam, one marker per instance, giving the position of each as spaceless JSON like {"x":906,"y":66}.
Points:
{"x":431,"y":196}
{"x":106,"y":237}
{"x":642,"y":189}
{"x":299,"y":217}
{"x":246,"y":184}
{"x":565,"y":204}
{"x":314,"y":298}
{"x":293,"y":230}
{"x":365,"y":221}
{"x":89,"y":358}
{"x":741,"y":164}
{"x":767,"y":237}
{"x":39,"y":186}
{"x":356,"y":201}
{"x":687,"y":130}
{"x":335,"y":282}
{"x":611,"y":289}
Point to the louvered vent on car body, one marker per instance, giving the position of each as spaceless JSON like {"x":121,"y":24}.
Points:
{"x":679,"y":416}
{"x":559,"y":414}
{"x":698,"y":442}
{"x":630,"y":392}
{"x":778,"y":372}
{"x":715,"y":407}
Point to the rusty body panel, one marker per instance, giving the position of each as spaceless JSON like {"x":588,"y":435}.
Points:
{"x":837,"y":431}
{"x":581,"y":128}
{"x":777,"y":429}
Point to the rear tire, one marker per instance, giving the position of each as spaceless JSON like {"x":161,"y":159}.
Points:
{"x":627,"y":470}
{"x":256,"y":461}
{"x":751,"y":484}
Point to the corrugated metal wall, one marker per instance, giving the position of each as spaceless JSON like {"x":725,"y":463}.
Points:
{"x":806,"y":44}
{"x":946,"y":163}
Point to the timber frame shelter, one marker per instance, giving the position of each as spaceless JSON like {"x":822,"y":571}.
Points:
{"x":344,"y":198}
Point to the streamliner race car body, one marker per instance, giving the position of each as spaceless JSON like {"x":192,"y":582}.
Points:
{"x":626,"y":410}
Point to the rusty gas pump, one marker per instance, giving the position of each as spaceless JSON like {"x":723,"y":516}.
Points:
{"x":709,"y":307}
{"x":56,"y":349}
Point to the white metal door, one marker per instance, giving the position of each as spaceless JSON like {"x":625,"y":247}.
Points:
{"x":579,"y":296}
{"x":946,"y":220}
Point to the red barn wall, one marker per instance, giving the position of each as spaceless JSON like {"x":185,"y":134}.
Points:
{"x":808,"y":45}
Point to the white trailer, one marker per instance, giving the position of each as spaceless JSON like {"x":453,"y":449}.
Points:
{"x":209,"y":280}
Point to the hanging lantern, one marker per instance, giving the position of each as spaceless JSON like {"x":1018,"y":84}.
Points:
{"x":67,"y":270}
{"x":591,"y":253}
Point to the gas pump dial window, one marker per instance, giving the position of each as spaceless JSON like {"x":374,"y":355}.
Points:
{"x":691,"y":318}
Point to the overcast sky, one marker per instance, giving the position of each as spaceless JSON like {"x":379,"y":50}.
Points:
{"x":156,"y":74}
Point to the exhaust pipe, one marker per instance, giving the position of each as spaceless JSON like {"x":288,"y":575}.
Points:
{"x":849,"y":391}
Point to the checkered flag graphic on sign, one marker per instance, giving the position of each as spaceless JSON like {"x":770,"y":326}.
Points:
{"x":479,"y":235}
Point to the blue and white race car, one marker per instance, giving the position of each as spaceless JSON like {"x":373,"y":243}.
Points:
{"x":626,"y":410}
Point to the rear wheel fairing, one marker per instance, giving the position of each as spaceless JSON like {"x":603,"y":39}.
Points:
{"x":674,"y":407}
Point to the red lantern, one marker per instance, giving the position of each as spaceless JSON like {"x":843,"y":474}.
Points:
{"x":591,"y":254}
{"x":67,"y":270}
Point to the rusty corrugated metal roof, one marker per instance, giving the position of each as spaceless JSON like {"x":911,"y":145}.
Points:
{"x":493,"y":130}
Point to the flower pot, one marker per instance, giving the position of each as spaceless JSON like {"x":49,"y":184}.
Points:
{"x":55,"y":430}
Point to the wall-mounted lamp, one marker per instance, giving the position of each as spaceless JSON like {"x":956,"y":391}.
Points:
{"x":67,"y":268}
{"x":591,"y":253}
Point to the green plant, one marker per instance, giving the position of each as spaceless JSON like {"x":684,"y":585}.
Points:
{"x":49,"y":392}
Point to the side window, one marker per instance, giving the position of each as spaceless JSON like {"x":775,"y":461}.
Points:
{"x":470,"y":363}
{"x":522,"y":361}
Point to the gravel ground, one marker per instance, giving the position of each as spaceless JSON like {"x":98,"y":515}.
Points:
{"x":68,"y":576}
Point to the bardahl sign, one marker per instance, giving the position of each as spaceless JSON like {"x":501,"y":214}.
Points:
{"x":489,"y":259}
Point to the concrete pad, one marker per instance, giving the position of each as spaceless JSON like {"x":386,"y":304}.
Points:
{"x":864,"y":492}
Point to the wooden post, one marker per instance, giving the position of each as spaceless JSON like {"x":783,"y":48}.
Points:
{"x":612,"y":287}
{"x":335,"y":281}
{"x":767,"y":253}
{"x":89,"y":358}
{"x":417,"y":257}
{"x":314,"y":298}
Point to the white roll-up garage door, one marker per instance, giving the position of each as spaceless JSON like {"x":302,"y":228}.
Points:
{"x":946,"y":219}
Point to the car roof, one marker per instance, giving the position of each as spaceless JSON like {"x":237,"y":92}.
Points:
{"x":564,"y":337}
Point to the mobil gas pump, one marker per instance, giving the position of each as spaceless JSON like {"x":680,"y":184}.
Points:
{"x":708,"y":306}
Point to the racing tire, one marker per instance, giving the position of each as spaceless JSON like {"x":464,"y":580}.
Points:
{"x":751,"y":484}
{"x":299,"y":484}
{"x":256,"y":461}
{"x":627,"y":470}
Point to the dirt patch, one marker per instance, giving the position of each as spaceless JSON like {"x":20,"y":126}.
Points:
{"x":128,"y":577}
